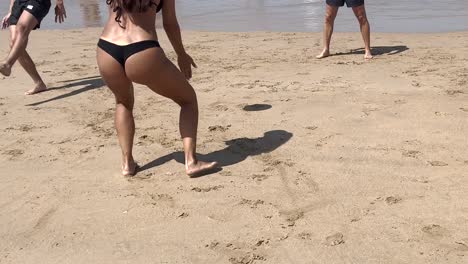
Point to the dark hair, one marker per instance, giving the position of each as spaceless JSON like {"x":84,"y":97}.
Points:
{"x":120,"y":6}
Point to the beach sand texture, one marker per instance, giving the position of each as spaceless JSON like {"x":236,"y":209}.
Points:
{"x":324,"y":161}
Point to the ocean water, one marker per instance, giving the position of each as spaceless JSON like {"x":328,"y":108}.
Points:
{"x":285,"y":15}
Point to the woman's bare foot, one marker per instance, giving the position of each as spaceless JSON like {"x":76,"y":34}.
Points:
{"x":41,"y":87}
{"x":130,"y":169}
{"x":198,"y":168}
{"x":368,"y":55}
{"x":5,"y":69}
{"x":325,"y":53}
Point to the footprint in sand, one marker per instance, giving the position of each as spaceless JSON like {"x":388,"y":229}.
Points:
{"x":214,"y":244}
{"x":334,"y":240}
{"x":158,"y":199}
{"x":437,"y":163}
{"x":225,"y":173}
{"x":259,"y":177}
{"x":304,"y":178}
{"x":324,"y":140}
{"x":240,"y":252}
{"x":368,"y":110}
{"x":454,"y":92}
{"x":411,"y":154}
{"x":248,"y":258}
{"x":462,"y":245}
{"x":434,"y":230}
{"x":219,"y":107}
{"x":391,"y":200}
{"x":251,"y":203}
{"x":218,"y":128}
{"x":311,"y":127}
{"x":166,"y":142}
{"x":207,"y":189}
{"x":293,"y":216}
{"x":305,"y":236}
{"x":25,"y":128}
{"x":13,"y":153}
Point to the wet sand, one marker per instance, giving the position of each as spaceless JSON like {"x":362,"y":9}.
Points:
{"x":324,"y":161}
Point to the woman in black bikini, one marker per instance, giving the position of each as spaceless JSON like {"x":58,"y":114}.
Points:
{"x":128,"y":51}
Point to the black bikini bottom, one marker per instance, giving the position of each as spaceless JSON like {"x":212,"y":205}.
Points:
{"x":122,"y":53}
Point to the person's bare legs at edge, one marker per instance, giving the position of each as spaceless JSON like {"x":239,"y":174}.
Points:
{"x":28,"y":65}
{"x":330,"y":15}
{"x":19,"y":35}
{"x":360,"y":12}
{"x":161,"y":76}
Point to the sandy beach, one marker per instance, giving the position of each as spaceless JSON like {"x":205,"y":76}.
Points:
{"x":339,"y":160}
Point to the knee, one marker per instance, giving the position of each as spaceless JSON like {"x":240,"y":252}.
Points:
{"x":362,"y":19}
{"x":329,"y":19}
{"x":187,"y":101}
{"x":127,"y":103}
{"x":22,"y":30}
{"x":12,"y":41}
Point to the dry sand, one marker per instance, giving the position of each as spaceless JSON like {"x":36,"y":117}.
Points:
{"x":345,"y":161}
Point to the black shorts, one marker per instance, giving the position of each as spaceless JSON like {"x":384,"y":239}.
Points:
{"x":37,"y":8}
{"x":349,"y":3}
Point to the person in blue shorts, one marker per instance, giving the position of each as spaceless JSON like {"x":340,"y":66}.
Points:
{"x":23,"y":17}
{"x":330,"y":15}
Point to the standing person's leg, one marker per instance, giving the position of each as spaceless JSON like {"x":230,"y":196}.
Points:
{"x":26,"y":23}
{"x":28,"y":65}
{"x":360,"y":12}
{"x":330,"y":15}
{"x":114,"y":76}
{"x":151,"y":67}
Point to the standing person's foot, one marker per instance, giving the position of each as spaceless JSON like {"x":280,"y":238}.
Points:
{"x":40,"y":87}
{"x":129,"y":169}
{"x":325,"y":53}
{"x":5,"y":69}
{"x":195,"y":169}
{"x":368,"y":55}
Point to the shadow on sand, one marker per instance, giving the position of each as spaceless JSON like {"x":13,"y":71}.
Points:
{"x":89,"y":83}
{"x":236,"y":151}
{"x":377,"y":51}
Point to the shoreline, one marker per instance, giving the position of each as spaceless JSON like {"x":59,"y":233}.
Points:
{"x":253,"y":32}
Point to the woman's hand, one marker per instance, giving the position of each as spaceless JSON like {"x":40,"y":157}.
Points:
{"x":185,"y":64}
{"x":5,"y":22}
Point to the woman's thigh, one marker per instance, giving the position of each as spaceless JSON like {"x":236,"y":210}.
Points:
{"x":152,"y":68}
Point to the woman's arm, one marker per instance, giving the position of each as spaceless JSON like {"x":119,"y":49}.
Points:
{"x":171,"y":26}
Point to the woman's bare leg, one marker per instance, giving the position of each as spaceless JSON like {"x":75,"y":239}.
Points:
{"x":114,"y":76}
{"x":151,"y":67}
